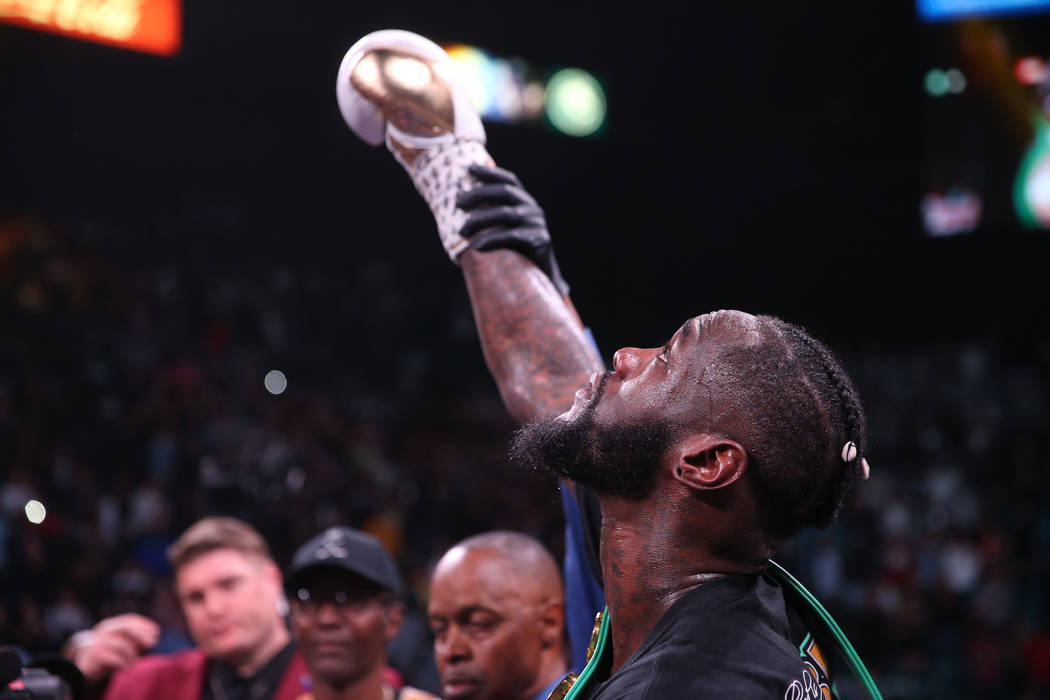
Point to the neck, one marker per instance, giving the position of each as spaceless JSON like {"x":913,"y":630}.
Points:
{"x":366,"y":687}
{"x":261,"y":656}
{"x":552,"y":669}
{"x":651,"y":557}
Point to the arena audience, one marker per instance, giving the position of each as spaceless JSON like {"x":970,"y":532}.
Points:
{"x":230,"y":592}
{"x":132,"y":403}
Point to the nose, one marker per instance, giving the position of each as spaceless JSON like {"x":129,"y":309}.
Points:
{"x":213,"y":606}
{"x":326,"y":614}
{"x":626,"y":361}
{"x":451,"y":647}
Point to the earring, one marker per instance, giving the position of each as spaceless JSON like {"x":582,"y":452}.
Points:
{"x":849,"y":452}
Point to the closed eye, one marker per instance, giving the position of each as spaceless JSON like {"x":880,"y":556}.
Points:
{"x":664,"y":355}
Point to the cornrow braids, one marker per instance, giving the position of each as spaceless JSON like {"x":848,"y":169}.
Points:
{"x":853,"y":428}
{"x":795,"y":407}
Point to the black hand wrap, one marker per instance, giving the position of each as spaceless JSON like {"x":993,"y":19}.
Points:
{"x":504,"y":215}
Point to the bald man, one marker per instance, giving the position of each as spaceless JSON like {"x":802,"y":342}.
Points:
{"x":497,"y":611}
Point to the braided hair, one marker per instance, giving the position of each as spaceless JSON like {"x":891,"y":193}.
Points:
{"x":795,"y":408}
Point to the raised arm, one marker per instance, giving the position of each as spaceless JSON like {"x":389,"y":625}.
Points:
{"x":533,"y":340}
{"x":401,"y":88}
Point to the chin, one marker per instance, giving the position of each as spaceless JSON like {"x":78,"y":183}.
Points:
{"x":336,"y":675}
{"x":228,"y":651}
{"x":565,"y":417}
{"x":333,"y":664}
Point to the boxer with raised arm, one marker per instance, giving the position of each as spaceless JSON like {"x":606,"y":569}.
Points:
{"x":704,"y":454}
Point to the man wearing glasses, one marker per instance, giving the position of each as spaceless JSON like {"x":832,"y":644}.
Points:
{"x":344,"y":591}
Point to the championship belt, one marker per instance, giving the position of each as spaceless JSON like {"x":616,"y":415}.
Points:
{"x":815,"y":617}
{"x":572,"y":685}
{"x":822,"y":625}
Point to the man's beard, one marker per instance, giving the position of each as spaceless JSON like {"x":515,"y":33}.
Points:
{"x":620,"y":460}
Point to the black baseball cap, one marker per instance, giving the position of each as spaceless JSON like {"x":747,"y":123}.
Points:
{"x":347,"y":549}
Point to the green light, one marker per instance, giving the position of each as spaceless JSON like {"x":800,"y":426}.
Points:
{"x":937,"y":82}
{"x":1032,"y":183}
{"x":575,"y":102}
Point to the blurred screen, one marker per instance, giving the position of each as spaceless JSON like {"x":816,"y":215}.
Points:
{"x":986,"y":117}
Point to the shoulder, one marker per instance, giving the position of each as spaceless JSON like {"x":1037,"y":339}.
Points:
{"x":166,"y":663}
{"x":747,"y":607}
{"x":296,"y":665}
{"x":295,"y":681}
{"x":149,"y":673}
{"x":714,"y":670}
{"x":727,"y":639}
{"x":410,"y":693}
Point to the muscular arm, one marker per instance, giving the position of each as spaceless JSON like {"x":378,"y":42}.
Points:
{"x":539,"y":354}
{"x":532,"y":338}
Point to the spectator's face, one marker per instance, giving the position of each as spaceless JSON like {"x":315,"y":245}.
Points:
{"x":230,"y":600}
{"x":342,"y":624}
{"x":487,"y":629}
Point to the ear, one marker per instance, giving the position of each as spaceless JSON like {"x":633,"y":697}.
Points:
{"x":273,"y":574}
{"x":551,"y":622}
{"x":395,"y":615}
{"x":706,"y":462}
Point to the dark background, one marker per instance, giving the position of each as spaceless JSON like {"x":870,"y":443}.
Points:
{"x":755,"y":157}
{"x":182,"y":225}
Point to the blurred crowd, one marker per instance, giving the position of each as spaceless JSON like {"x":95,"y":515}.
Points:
{"x":939,"y":569}
{"x":132,"y":403}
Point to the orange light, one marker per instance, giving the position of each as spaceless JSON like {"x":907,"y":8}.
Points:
{"x":151,"y":26}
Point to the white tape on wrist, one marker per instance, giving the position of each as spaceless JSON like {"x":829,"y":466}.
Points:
{"x":439,"y":173}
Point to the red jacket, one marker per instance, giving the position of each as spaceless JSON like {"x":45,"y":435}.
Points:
{"x":180,"y":676}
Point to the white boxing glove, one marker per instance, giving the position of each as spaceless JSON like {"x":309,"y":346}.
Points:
{"x":401,"y":88}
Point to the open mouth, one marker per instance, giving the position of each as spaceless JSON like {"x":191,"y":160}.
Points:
{"x":585,"y":394}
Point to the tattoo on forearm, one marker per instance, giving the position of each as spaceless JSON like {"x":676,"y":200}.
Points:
{"x":534,"y":346}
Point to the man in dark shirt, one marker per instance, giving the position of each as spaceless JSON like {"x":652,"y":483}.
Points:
{"x":704,"y":454}
{"x":345,"y":592}
{"x":729,"y":637}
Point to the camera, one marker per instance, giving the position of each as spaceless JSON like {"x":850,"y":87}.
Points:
{"x":38,"y":684}
{"x":45,"y":678}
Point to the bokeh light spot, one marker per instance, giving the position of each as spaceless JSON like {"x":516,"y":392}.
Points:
{"x":275,"y":382}
{"x":35,"y":512}
{"x":575,"y":102}
{"x":937,"y":82}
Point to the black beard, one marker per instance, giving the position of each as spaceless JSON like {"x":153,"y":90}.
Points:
{"x":619,"y":461}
